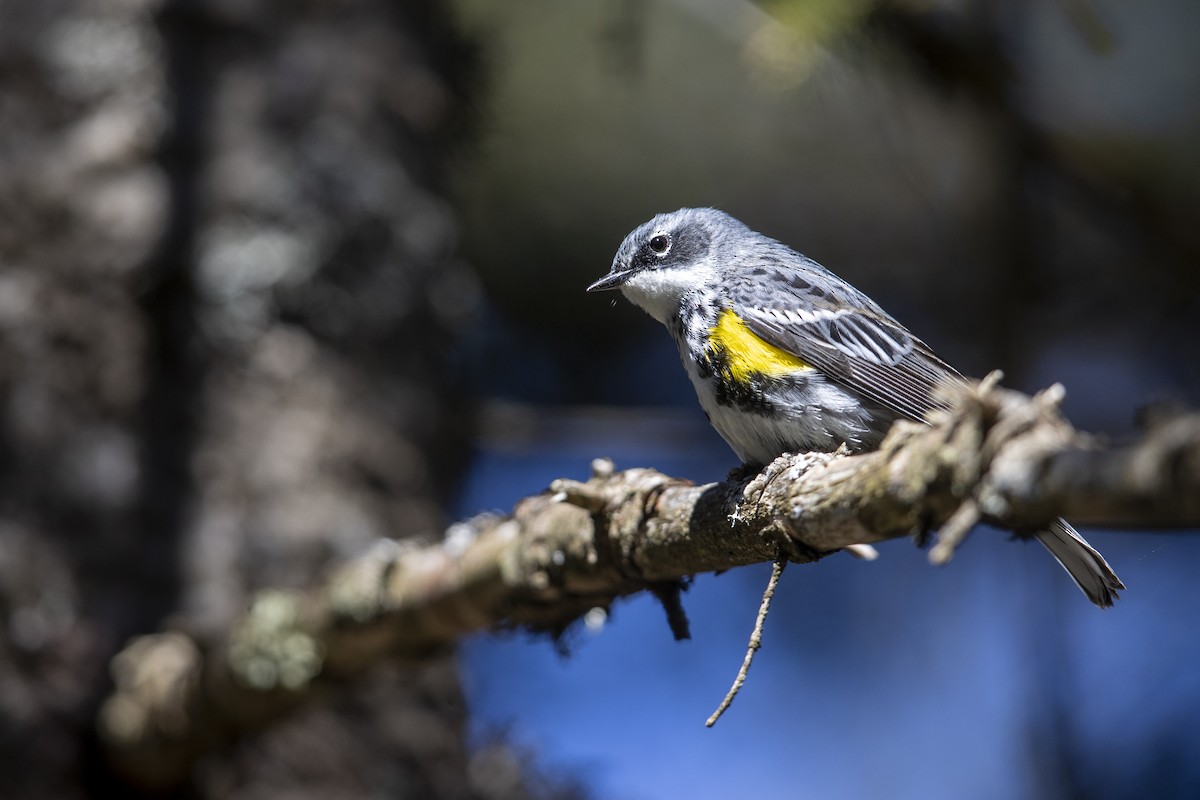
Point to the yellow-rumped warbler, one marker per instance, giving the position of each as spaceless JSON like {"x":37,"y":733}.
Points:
{"x":788,"y":357}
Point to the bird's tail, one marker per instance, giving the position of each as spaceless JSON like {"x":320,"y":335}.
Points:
{"x":1082,"y":562}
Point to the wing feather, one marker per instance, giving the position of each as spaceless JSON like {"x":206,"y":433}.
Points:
{"x":865,"y":351}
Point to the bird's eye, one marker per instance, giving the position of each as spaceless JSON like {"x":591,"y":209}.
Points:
{"x":660,"y":243}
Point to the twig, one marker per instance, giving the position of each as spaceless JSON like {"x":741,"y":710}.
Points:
{"x":755,"y":643}
{"x":954,"y":532}
{"x":864,"y":552}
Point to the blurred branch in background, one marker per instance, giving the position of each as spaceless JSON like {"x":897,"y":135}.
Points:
{"x":580,"y":546}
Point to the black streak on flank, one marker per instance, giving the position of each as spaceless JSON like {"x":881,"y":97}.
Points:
{"x":749,"y":396}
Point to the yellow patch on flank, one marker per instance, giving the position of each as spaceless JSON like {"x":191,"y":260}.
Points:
{"x":749,"y":355}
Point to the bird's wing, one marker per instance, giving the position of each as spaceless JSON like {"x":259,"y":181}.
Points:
{"x":860,"y":348}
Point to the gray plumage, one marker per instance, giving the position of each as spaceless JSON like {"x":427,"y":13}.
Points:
{"x":861,"y":368}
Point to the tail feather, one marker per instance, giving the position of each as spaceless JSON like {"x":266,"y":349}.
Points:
{"x":1082,"y":562}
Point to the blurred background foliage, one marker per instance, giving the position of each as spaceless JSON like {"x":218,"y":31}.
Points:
{"x":279,"y":278}
{"x":1011,"y":178}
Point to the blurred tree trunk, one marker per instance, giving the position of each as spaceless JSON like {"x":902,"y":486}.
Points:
{"x":226,"y":300}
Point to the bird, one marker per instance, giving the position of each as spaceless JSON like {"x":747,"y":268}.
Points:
{"x":787,"y":357}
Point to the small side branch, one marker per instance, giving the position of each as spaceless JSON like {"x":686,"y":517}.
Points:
{"x":752,"y":647}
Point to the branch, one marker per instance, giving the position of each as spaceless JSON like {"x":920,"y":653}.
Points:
{"x":581,"y":545}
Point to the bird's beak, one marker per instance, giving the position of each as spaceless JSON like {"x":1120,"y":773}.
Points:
{"x":610,"y":281}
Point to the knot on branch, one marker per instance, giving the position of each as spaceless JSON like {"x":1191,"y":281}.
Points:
{"x":621,"y":504}
{"x":621,"y":501}
{"x":964,"y":465}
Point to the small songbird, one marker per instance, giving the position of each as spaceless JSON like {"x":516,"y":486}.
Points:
{"x":787,"y":357}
